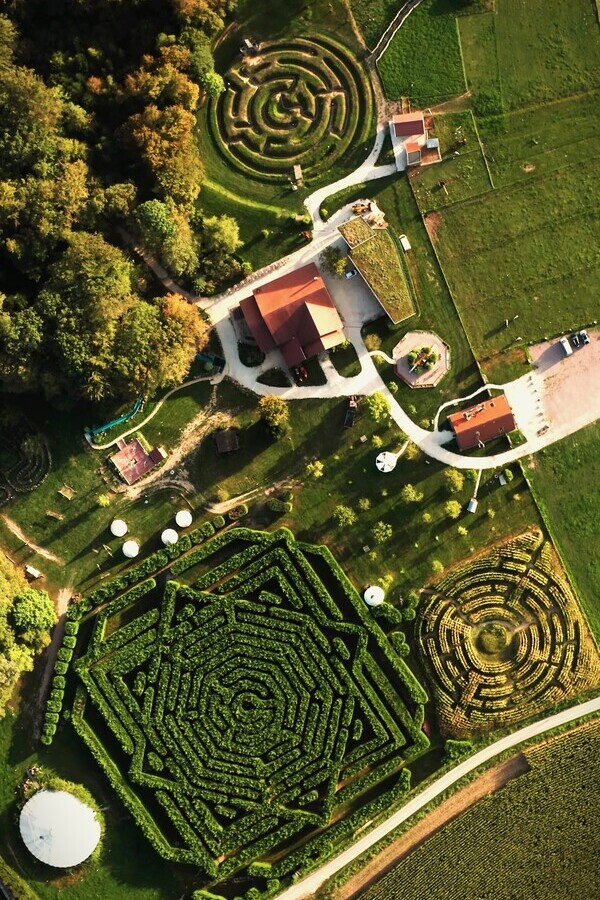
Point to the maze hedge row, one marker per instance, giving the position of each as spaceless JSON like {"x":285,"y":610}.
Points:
{"x":302,"y":102}
{"x":502,"y":637}
{"x":243,"y":707}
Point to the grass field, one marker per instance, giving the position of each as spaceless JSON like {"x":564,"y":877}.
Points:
{"x":373,"y":17}
{"x":564,"y":479}
{"x":541,"y":826}
{"x":423,"y":60}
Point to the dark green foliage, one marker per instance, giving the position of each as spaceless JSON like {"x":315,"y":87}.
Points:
{"x":214,"y":672}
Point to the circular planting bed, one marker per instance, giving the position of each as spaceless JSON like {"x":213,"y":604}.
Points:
{"x":300,"y":102}
{"x":502,"y":637}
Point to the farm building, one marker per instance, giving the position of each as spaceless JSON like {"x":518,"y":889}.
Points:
{"x":481,"y":423}
{"x":133,"y":460}
{"x":293,"y":314}
{"x":411,"y":141}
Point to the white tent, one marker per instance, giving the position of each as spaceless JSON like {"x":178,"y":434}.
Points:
{"x":59,"y":829}
{"x":118,"y":527}
{"x":374,"y":595}
{"x":131,"y":549}
{"x":183,"y":518}
{"x":169,"y":536}
{"x":386,"y":461}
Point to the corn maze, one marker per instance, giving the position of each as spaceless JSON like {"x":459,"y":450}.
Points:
{"x":502,"y":637}
{"x":302,"y":102}
{"x":245,"y":705}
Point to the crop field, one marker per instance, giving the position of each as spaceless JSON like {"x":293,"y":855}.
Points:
{"x":246,"y":704}
{"x":298,"y":102}
{"x":541,"y":826}
{"x":423,"y":60}
{"x":502,"y":638}
{"x":563,"y":478}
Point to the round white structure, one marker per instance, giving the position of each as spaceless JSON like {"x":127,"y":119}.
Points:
{"x":118,"y":527}
{"x":169,"y":536}
{"x":131,"y":549}
{"x":386,"y":461}
{"x":374,"y":595}
{"x":183,"y":518}
{"x":58,"y":829}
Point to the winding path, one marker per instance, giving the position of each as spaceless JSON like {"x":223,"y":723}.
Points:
{"x":308,"y":886}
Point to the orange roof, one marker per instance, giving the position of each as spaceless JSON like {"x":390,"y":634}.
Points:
{"x":294,"y":313}
{"x":482,"y":422}
{"x":407,"y":124}
{"x":412,"y":147}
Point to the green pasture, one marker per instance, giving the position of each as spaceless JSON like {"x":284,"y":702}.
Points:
{"x":423,"y":60}
{"x":373,"y":17}
{"x":463,"y":167}
{"x":564,"y":480}
{"x":541,"y":826}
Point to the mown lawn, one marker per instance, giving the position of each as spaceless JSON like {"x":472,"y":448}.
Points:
{"x":373,"y":17}
{"x":564,"y":479}
{"x":423,"y":60}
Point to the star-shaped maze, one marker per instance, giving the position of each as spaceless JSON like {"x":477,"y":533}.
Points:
{"x":248,"y":702}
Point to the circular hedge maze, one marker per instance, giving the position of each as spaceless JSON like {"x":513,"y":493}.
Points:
{"x":300,"y":102}
{"x":502,"y":637}
{"x":250,"y":705}
{"x":24,"y":456}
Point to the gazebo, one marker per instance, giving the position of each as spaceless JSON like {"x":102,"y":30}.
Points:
{"x":183,"y":518}
{"x":131,"y":549}
{"x":118,"y":527}
{"x":169,"y":536}
{"x":374,"y":595}
{"x":58,"y":829}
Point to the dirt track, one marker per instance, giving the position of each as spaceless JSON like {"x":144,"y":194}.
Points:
{"x":47,"y":554}
{"x":487,"y":783}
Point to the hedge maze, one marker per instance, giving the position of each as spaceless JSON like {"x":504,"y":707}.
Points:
{"x":246,"y":706}
{"x":502,"y":637}
{"x":24,"y":456}
{"x":301,"y":102}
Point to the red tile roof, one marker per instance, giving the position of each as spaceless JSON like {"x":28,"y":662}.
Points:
{"x":132,"y":461}
{"x":483,"y":422}
{"x":412,"y":147}
{"x":408,"y":124}
{"x":294,"y":313}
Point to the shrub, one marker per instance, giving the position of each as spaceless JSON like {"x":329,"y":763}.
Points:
{"x":237,"y":512}
{"x":454,"y":480}
{"x":462,"y":530}
{"x":344,"y":516}
{"x":393,"y":387}
{"x":452,"y":509}
{"x":275,"y":413}
{"x":381,"y":532}
{"x":315,"y":469}
{"x":378,"y":407}
{"x":508,"y":475}
{"x":372,"y":342}
{"x":377,"y":441}
{"x":491,"y":512}
{"x":437,"y":567}
{"x":410,"y":494}
{"x":364,"y":504}
{"x":218,"y":521}
{"x":426,"y":518}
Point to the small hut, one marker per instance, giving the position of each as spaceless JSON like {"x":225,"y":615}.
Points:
{"x":227,"y":441}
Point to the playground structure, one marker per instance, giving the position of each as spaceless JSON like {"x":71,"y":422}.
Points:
{"x":91,"y":433}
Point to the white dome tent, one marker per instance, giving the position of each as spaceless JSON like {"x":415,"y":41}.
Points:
{"x":183,"y":518}
{"x":118,"y":527}
{"x":169,"y":536}
{"x":374,"y":595}
{"x":131,"y":549}
{"x":58,"y":829}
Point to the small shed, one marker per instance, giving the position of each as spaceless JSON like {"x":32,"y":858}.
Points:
{"x":413,"y":153}
{"x":32,"y":572}
{"x":227,"y":440}
{"x":472,"y":505}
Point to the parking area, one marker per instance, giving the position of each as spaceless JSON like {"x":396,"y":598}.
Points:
{"x":569,"y":386}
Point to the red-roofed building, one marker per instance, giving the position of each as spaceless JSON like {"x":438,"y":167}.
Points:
{"x":294,"y":314}
{"x":481,"y":423}
{"x":408,"y":124}
{"x":411,"y":142}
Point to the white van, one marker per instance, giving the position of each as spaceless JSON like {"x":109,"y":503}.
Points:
{"x":405,"y":243}
{"x":565,"y":344}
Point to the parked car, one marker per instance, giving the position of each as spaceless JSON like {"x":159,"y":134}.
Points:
{"x":567,"y":349}
{"x":584,"y":336}
{"x":351,"y":273}
{"x":575,"y":340}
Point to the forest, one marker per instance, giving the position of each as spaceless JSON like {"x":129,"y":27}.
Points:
{"x":97,"y":151}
